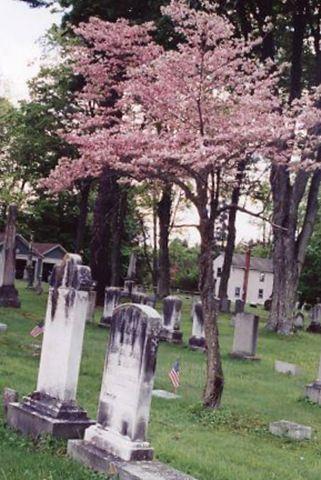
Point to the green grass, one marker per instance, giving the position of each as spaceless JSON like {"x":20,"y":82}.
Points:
{"x":231,"y":444}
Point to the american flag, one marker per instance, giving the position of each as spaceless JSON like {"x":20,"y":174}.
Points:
{"x":174,"y":375}
{"x":38,"y":329}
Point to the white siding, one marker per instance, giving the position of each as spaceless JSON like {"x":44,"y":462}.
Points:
{"x":236,"y":282}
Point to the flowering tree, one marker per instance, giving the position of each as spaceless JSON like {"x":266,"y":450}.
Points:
{"x":187,"y":116}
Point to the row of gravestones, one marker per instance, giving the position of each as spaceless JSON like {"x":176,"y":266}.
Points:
{"x":117,"y":442}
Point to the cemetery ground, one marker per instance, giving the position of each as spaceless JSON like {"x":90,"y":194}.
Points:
{"x":230,"y":444}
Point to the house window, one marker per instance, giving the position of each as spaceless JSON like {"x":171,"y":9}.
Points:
{"x":261,"y":292}
{"x":237,"y":291}
{"x":219,"y":272}
{"x":262,"y":277}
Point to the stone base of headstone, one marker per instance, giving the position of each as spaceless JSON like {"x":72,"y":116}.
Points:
{"x":104,"y":322}
{"x":165,"y":394}
{"x":313,"y":392}
{"x":40,"y":414}
{"x":174,"y":336}
{"x":9,"y":297}
{"x":314,"y":327}
{"x":244,"y":356}
{"x":196,"y":343}
{"x":103,"y":462}
{"x":291,"y":430}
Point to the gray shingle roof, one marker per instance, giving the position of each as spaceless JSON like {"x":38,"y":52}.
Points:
{"x":257,"y":263}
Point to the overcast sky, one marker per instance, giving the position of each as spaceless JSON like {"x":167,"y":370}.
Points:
{"x":20,"y":30}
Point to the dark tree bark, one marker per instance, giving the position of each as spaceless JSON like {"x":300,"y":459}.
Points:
{"x":118,"y":227}
{"x":299,"y":30}
{"x":231,"y":234}
{"x":164,"y":208}
{"x":83,"y":214}
{"x":107,"y":197}
{"x":214,"y":378}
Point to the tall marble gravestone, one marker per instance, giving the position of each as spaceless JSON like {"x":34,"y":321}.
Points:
{"x":245,"y":336}
{"x":126,"y":390}
{"x":112,"y":298}
{"x":8,"y":293}
{"x":197,"y":340}
{"x":52,"y":408}
{"x":313,"y":390}
{"x":172,"y":311}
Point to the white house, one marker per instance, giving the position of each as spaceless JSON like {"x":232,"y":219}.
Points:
{"x":260,"y":281}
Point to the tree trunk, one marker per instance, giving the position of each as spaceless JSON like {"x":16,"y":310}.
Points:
{"x":118,"y":225}
{"x":214,"y":378}
{"x":231,"y":234}
{"x":101,"y":232}
{"x":299,"y":28}
{"x":83,"y":213}
{"x":164,"y":217}
{"x":155,"y":253}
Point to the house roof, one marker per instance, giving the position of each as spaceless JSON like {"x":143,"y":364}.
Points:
{"x":39,"y":249}
{"x":44,"y":248}
{"x":257,"y":263}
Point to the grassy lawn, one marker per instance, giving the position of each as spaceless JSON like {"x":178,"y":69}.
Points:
{"x":231,"y":444}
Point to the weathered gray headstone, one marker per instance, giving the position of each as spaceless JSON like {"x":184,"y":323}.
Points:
{"x":286,"y":368}
{"x":197,"y":340}
{"x":315,"y":317}
{"x":3,"y":327}
{"x":245,"y":336}
{"x":127,"y":386}
{"x":172,"y":311}
{"x":52,"y":408}
{"x":291,"y":430}
{"x":112,"y":298}
{"x":8,"y":294}
{"x":92,"y":299}
{"x":225,"y":305}
{"x":239,"y":306}
{"x":313,"y":390}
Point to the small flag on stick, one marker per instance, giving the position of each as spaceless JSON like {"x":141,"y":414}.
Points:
{"x":174,"y":375}
{"x":38,"y":329}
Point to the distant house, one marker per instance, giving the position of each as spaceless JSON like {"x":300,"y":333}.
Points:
{"x":260,"y":282}
{"x":44,"y":256}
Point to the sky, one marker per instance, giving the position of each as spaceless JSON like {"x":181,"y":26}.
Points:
{"x":21,"y":29}
{"x":20,"y":51}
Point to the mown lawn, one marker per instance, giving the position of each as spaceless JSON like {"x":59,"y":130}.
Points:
{"x":231,"y":444}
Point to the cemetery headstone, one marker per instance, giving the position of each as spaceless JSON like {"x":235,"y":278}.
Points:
{"x":3,"y":327}
{"x":52,"y":408}
{"x":172,"y":311}
{"x":298,"y":321}
{"x":8,"y":294}
{"x":92,"y":300}
{"x":291,"y":430}
{"x":112,"y":298}
{"x":245,"y":336}
{"x":225,"y":305}
{"x":313,"y":390}
{"x":197,"y":340}
{"x":238,"y":308}
{"x":315,"y":317}
{"x":127,"y":385}
{"x":286,"y":368}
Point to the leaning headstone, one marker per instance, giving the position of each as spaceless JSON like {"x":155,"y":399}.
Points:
{"x":52,"y":408}
{"x":126,"y":390}
{"x":92,"y":299}
{"x":197,"y":340}
{"x":8,"y":294}
{"x":313,"y":390}
{"x":172,"y":311}
{"x":112,"y":297}
{"x":245,"y":336}
{"x":225,"y":305}
{"x":291,"y":430}
{"x":286,"y":368}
